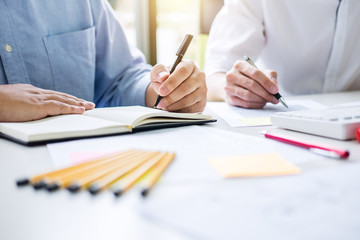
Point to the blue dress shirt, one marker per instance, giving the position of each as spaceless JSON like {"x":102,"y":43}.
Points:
{"x":72,"y":46}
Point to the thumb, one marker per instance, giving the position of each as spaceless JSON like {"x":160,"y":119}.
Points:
{"x":159,"y":73}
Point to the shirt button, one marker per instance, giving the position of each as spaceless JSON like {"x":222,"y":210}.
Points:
{"x":8,"y":48}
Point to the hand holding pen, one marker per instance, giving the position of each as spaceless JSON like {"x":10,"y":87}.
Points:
{"x":246,"y":86}
{"x":183,"y":88}
{"x":276,"y":95}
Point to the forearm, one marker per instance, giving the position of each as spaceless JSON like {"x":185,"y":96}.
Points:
{"x":216,"y":87}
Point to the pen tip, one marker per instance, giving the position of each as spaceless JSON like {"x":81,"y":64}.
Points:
{"x":283,"y":102}
{"x":263,"y":132}
{"x":158,"y":99}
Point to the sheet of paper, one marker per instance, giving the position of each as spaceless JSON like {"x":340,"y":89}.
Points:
{"x":241,"y":117}
{"x":348,"y":104}
{"x":193,"y":146}
{"x":79,"y":157}
{"x":320,"y":204}
{"x":190,"y":186}
{"x":254,"y":165}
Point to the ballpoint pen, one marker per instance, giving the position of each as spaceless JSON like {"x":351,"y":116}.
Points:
{"x":180,"y":54}
{"x":277,"y":95}
{"x":316,"y":148}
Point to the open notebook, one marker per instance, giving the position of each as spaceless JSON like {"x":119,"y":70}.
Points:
{"x":97,"y":122}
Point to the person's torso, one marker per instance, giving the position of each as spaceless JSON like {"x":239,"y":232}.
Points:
{"x":49,"y":44}
{"x":313,"y":45}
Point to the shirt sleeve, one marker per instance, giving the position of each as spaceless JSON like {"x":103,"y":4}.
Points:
{"x":121,"y":75}
{"x":237,"y":30}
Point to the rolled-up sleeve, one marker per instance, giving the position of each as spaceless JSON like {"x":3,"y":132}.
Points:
{"x":237,"y":30}
{"x":121,"y":75}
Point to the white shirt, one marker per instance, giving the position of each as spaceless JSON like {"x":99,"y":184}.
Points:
{"x":314,"y":45}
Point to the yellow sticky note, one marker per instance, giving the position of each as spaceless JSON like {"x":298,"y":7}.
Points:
{"x":255,"y":165}
{"x":255,"y":121}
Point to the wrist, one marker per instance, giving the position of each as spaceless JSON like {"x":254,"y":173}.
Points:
{"x":216,"y":87}
{"x":150,"y":96}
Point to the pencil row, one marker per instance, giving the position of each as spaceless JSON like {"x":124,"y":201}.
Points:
{"x":117,"y":172}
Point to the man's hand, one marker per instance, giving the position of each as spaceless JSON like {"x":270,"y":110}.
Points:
{"x":248,"y":87}
{"x":182,"y":91}
{"x":24,"y":102}
{"x":244,"y":86}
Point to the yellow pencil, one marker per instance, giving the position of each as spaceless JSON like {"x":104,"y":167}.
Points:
{"x":63,"y":180}
{"x":107,"y":180}
{"x":150,"y":180}
{"x":84,"y":181}
{"x":37,"y":182}
{"x":66,"y":180}
{"x":129,"y":180}
{"x":120,"y":170}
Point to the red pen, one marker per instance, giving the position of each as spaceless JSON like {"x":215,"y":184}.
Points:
{"x":322,"y":150}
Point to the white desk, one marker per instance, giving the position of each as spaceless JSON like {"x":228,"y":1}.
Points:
{"x":29,"y":214}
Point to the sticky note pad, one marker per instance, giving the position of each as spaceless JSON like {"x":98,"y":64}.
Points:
{"x":255,"y":165}
{"x":263,"y":121}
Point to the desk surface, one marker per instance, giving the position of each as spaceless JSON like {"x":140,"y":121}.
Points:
{"x":29,"y":214}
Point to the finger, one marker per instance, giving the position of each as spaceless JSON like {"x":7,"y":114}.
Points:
{"x":195,"y":108}
{"x":181,"y":73}
{"x":159,"y":74}
{"x":235,"y":101}
{"x":70,"y":101}
{"x":244,"y":94}
{"x":53,"y":107}
{"x":39,"y":91}
{"x":197,"y":80}
{"x":195,"y":102}
{"x":237,"y":79}
{"x":52,"y":92}
{"x":257,"y":75}
{"x":60,"y":96}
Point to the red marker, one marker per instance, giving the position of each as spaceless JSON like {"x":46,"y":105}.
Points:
{"x":319,"y":149}
{"x":358,"y":134}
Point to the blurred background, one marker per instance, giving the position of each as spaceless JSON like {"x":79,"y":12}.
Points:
{"x":157,"y":27}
